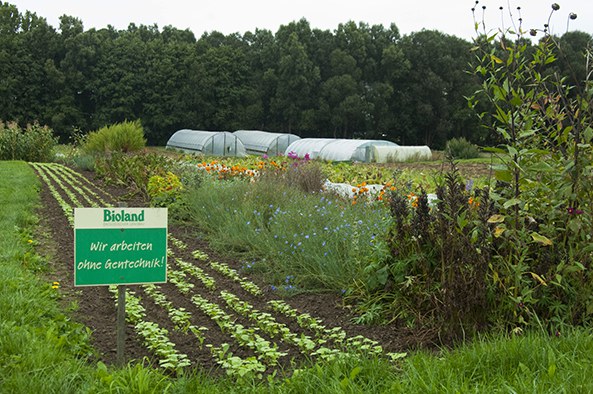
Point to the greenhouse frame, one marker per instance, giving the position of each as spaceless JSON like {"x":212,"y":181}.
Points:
{"x":258,"y":142}
{"x":216,"y":143}
{"x":332,"y":149}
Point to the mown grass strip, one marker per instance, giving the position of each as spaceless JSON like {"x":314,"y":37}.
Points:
{"x":41,"y":350}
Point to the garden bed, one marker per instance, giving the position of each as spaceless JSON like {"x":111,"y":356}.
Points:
{"x":214,"y":309}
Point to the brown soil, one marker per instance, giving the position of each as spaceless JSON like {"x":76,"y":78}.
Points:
{"x":96,"y":305}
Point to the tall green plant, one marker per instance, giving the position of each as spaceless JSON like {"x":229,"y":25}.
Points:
{"x":120,"y":137}
{"x":543,"y":182}
{"x":34,"y":143}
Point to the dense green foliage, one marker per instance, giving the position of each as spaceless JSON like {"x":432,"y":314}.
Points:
{"x":34,"y":143}
{"x":356,"y":81}
{"x":132,"y":171}
{"x":543,"y":190}
{"x":460,"y":148}
{"x":517,"y":254}
{"x":120,"y":137}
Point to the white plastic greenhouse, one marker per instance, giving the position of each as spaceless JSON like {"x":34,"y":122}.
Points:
{"x":394,"y":154}
{"x":259,"y":142}
{"x":332,"y":149}
{"x":217,"y":143}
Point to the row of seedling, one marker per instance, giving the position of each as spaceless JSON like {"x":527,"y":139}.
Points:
{"x":77,"y":181}
{"x":229,"y":272}
{"x":66,"y":208}
{"x":180,"y":317}
{"x":154,"y":337}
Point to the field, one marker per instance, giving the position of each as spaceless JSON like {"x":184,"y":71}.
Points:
{"x":217,"y":318}
{"x":210,"y":312}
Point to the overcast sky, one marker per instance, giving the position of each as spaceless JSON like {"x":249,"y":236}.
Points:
{"x":230,"y":16}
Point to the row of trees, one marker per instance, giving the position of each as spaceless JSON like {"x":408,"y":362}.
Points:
{"x":358,"y":81}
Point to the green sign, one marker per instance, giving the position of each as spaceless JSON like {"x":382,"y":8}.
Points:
{"x":116,"y":246}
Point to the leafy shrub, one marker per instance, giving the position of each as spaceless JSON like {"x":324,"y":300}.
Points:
{"x":164,"y":190}
{"x":435,"y":274}
{"x":460,"y":148}
{"x":132,"y":171}
{"x":120,"y":137}
{"x":35,"y":143}
{"x":517,"y":255}
{"x":84,"y":162}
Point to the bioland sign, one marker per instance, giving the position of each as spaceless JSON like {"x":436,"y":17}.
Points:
{"x":117,"y":246}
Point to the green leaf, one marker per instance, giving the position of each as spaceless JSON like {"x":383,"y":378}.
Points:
{"x":527,"y":133}
{"x":541,"y":239}
{"x":396,"y":356}
{"x":516,"y":100}
{"x":354,"y":373}
{"x":552,"y":370}
{"x":496,"y":219}
{"x":496,"y":59}
{"x":511,"y":203}
{"x":503,"y":175}
{"x":344,"y":383}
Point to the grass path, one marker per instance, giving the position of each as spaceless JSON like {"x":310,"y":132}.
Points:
{"x":38,"y":343}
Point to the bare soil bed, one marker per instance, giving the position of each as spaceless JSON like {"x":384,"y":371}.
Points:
{"x":96,"y":305}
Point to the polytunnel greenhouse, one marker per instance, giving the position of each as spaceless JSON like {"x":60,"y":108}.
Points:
{"x":259,"y":142}
{"x":216,"y":143}
{"x":332,"y":149}
{"x":396,"y":154}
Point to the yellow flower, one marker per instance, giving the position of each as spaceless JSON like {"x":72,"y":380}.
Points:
{"x":30,"y":241}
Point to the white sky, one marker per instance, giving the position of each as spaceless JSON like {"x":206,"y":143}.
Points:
{"x":230,"y":16}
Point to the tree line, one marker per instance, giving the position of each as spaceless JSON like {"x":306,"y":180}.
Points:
{"x":358,"y":81}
